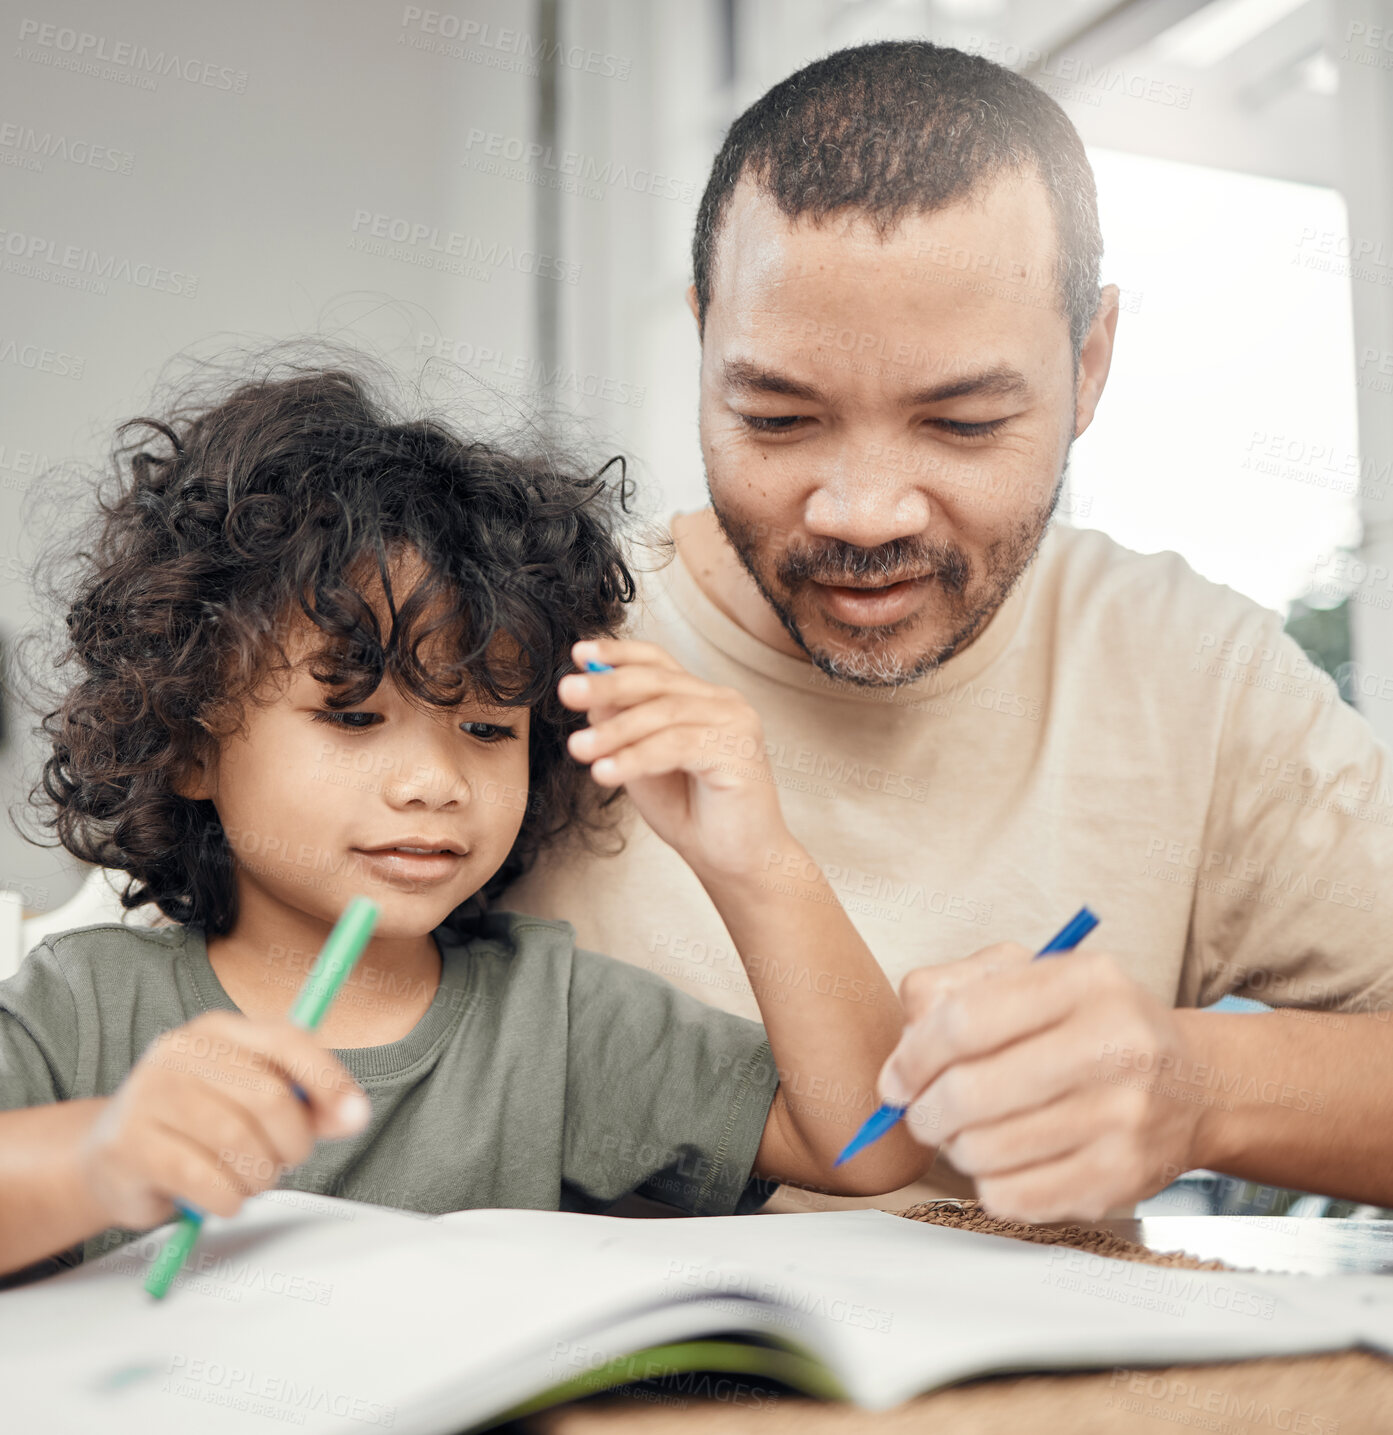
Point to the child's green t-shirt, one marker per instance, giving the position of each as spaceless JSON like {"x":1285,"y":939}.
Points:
{"x":541,"y":1076}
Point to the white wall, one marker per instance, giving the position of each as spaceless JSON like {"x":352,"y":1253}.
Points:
{"x":249,"y":185}
{"x":628,"y":324}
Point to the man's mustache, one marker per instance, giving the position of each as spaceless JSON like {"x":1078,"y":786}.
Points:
{"x":894,"y":562}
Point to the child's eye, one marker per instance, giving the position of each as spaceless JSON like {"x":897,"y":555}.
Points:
{"x":347,"y":719}
{"x":489,"y":731}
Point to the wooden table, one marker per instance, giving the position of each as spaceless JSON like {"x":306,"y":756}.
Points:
{"x":1345,"y":1394}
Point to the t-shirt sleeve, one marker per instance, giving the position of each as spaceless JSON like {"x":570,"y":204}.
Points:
{"x":1294,"y":874}
{"x":38,"y":1033}
{"x":666,"y":1097}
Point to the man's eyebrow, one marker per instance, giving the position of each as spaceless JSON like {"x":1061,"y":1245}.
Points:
{"x":754,"y":378}
{"x":1001,"y":382}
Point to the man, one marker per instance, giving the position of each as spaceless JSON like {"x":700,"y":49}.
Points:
{"x":980,"y":721}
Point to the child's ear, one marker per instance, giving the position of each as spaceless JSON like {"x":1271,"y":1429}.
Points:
{"x":198,"y":781}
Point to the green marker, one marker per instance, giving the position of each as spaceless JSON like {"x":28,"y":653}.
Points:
{"x":336,"y":959}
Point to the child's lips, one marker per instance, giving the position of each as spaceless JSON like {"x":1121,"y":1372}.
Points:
{"x":417,"y":867}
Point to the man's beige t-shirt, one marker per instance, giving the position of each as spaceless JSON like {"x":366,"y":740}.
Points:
{"x":1124,"y":734}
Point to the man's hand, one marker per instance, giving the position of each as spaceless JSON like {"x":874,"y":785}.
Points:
{"x":1011,"y":1067}
{"x":690,"y":754}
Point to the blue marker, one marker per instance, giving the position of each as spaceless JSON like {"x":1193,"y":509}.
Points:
{"x":879,"y":1122}
{"x":594,"y":667}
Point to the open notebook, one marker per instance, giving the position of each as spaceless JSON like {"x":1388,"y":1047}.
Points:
{"x":328,"y":1315}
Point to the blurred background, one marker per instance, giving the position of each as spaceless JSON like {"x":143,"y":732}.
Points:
{"x":497,"y":200}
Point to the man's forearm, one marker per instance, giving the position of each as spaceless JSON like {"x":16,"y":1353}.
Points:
{"x":44,"y":1205}
{"x":1294,"y":1098}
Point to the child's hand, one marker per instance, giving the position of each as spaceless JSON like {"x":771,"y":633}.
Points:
{"x":691,"y":755}
{"x":208,"y":1115}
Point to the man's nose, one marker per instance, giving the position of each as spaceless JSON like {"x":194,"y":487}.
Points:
{"x":866,"y":506}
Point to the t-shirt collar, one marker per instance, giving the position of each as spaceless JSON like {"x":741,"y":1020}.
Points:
{"x":392,"y":1059}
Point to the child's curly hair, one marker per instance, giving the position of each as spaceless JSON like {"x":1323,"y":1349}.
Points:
{"x":230,"y":514}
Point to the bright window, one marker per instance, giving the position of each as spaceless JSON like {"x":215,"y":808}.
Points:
{"x":1228,"y":430}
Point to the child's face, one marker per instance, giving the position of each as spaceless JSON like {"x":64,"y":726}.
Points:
{"x":314,"y":800}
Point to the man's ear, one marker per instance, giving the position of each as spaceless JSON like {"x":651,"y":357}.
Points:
{"x":694,"y":307}
{"x":1095,"y":358}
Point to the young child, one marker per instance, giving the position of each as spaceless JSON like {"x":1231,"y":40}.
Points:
{"x":324,"y":652}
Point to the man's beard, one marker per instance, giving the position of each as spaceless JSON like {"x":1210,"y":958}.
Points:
{"x":971,"y":603}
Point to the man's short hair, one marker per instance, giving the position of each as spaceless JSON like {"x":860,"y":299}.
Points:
{"x":907,"y":127}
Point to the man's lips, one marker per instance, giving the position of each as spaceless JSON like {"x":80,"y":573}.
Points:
{"x":871,"y":606}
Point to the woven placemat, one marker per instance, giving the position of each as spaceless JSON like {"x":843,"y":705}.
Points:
{"x":968,"y":1215}
{"x":1349,"y":1393}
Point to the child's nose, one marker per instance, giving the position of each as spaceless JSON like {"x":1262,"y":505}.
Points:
{"x":431,"y":783}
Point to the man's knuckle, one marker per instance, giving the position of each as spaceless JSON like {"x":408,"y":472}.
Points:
{"x":954,"y":1017}
{"x":972,"y":1152}
{"x":959,"y":1089}
{"x":1012,"y":1197}
{"x":1103,"y":971}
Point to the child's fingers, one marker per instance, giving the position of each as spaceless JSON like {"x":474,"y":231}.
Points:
{"x":671,"y":749}
{"x":136,"y":1171}
{"x":626,"y":686}
{"x":160,"y":1126}
{"x":177,"y":1165}
{"x":337,"y":1105}
{"x":286,"y":1126}
{"x":235,"y":1130}
{"x":670,"y":710}
{"x":264,"y":1128}
{"x":209,"y":1115}
{"x":238,"y":1082}
{"x":622,"y":652}
{"x":272,"y":1111}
